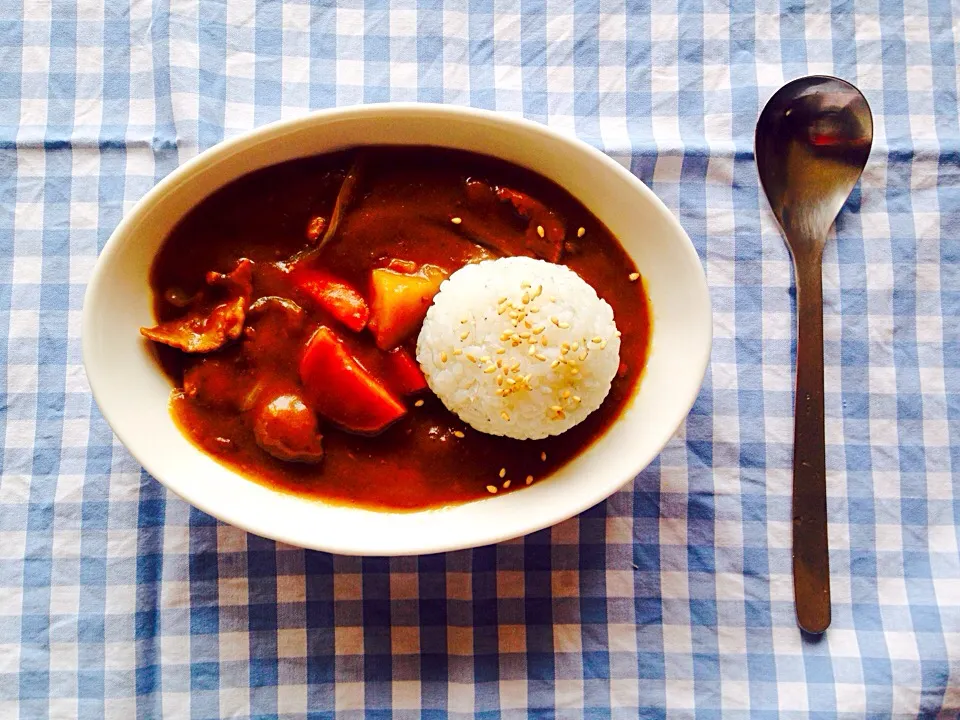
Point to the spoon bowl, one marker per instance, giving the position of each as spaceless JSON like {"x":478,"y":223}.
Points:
{"x":812,"y":143}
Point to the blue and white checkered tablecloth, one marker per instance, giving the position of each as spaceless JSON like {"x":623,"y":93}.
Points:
{"x":674,"y":598}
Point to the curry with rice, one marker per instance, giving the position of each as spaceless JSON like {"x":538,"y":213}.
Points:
{"x":289,"y":304}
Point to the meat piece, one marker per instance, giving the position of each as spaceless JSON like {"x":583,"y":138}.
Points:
{"x":479,"y":192}
{"x":216,"y":382}
{"x":215,"y":320}
{"x":545,"y":230}
{"x":272,"y":322}
{"x":402,"y":266}
{"x":287,"y":429}
{"x":315,"y":228}
{"x":201,"y":330}
{"x":238,"y":282}
{"x":542,"y":236}
{"x":280,"y":310}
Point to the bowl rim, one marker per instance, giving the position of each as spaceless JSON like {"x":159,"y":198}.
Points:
{"x":265,"y":133}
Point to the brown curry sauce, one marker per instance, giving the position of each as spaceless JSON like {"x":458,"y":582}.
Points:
{"x":402,"y":210}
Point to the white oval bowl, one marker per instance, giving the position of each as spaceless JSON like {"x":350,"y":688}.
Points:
{"x":133,"y":393}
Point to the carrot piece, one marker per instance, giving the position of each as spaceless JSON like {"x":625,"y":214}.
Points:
{"x":336,"y":297}
{"x":342,"y":390}
{"x":404,"y":371}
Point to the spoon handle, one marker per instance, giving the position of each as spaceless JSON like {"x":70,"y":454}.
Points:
{"x":811,"y":559}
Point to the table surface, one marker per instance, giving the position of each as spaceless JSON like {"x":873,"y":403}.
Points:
{"x":117,"y":599}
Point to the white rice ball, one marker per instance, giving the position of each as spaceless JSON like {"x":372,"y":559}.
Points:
{"x":519,"y":347}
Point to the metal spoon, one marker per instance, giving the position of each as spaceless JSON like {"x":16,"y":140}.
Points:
{"x":813,"y":139}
